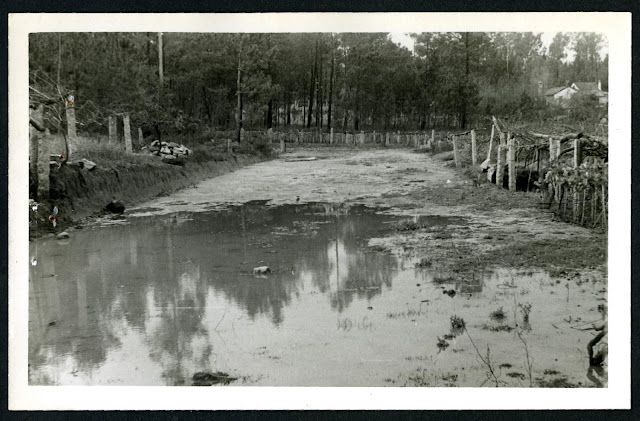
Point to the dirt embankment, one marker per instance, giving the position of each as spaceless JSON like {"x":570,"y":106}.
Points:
{"x":79,"y":193}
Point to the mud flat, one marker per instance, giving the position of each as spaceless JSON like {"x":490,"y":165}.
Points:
{"x":386,"y":269}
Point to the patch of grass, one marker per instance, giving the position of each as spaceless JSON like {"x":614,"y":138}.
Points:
{"x":457,"y":325}
{"x":498,"y":328}
{"x":407,"y":225}
{"x":505,"y":365}
{"x":438,"y":280}
{"x":424,"y":263}
{"x":550,"y":372}
{"x":559,"y":382}
{"x":516,"y":375}
{"x":442,"y":344}
{"x":498,"y":315}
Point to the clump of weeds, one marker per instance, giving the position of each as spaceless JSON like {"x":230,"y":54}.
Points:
{"x":407,"y":225}
{"x":457,"y":325}
{"x":525,"y":310}
{"x":498,"y":328}
{"x":498,"y":315}
{"x":442,"y":344}
{"x":516,"y":375}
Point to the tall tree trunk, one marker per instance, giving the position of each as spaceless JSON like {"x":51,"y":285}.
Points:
{"x":330,"y":85}
{"x":311,"y":91}
{"x":463,"y":117}
{"x":270,"y":114}
{"x":59,"y":63}
{"x":160,"y":59}
{"x":207,"y":107}
{"x":239,"y":92}
{"x":320,"y":93}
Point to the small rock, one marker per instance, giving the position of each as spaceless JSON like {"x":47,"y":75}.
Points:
{"x":115,"y":206}
{"x":62,"y":236}
{"x":261,"y":270}
{"x":86,"y":164}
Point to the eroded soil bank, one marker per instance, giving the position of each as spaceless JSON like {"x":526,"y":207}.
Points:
{"x":375,"y":258}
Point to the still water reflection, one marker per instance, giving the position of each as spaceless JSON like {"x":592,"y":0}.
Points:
{"x":158,"y":299}
{"x":157,"y":285}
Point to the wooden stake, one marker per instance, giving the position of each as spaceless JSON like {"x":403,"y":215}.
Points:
{"x":229,"y":145}
{"x":605,"y":221}
{"x":386,"y":139}
{"x":500,"y":163}
{"x":113,"y":134}
{"x":331,"y":137}
{"x":72,"y":137}
{"x":491,"y":142}
{"x":512,"y":162}
{"x":283,"y":146}
{"x":43,"y":167}
{"x":474,"y":158}
{"x":455,"y":152}
{"x":577,"y":153}
{"x":128,"y":147}
{"x":140,"y":137}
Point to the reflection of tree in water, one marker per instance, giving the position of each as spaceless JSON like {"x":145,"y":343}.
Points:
{"x":344,"y":267}
{"x":154,"y":278}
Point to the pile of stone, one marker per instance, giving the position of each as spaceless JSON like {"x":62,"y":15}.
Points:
{"x":170,"y":152}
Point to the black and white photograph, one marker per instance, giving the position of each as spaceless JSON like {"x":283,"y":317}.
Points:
{"x":414,"y":204}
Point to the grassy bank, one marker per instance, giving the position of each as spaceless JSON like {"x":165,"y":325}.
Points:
{"x":79,"y":193}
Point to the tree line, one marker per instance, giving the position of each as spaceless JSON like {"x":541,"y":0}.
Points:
{"x":183,"y":82}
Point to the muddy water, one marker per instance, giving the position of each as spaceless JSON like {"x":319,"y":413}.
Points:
{"x":154,"y":300}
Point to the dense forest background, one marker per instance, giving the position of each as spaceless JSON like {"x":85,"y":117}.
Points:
{"x":185,"y":82}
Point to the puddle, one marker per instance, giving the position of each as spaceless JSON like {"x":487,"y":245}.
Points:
{"x":166,"y":297}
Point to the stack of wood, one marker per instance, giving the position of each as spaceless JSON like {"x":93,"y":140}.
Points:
{"x":171,"y":152}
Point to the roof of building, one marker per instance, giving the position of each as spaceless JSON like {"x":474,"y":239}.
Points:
{"x":586,"y":86}
{"x":553,"y":91}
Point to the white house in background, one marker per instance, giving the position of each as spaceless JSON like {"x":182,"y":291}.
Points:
{"x":593,"y":88}
{"x":559,"y":94}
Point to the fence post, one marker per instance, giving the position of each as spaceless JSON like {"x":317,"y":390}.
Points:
{"x":72,"y":137}
{"x":113,"y":133}
{"x":140,"y":137}
{"x":499,"y":163}
{"x":270,"y":135}
{"x":229,"y":145}
{"x":512,"y":163}
{"x":491,"y":142}
{"x":128,"y":148}
{"x":474,"y":158}
{"x":283,"y":146}
{"x":577,"y":160}
{"x":42,"y":158}
{"x":331,"y":137}
{"x":455,"y":152}
{"x":398,"y":137}
{"x":362,"y":137}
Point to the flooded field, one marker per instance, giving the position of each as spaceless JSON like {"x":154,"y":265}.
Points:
{"x":175,"y":299}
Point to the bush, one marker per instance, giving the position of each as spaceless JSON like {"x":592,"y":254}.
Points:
{"x":585,"y":107}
